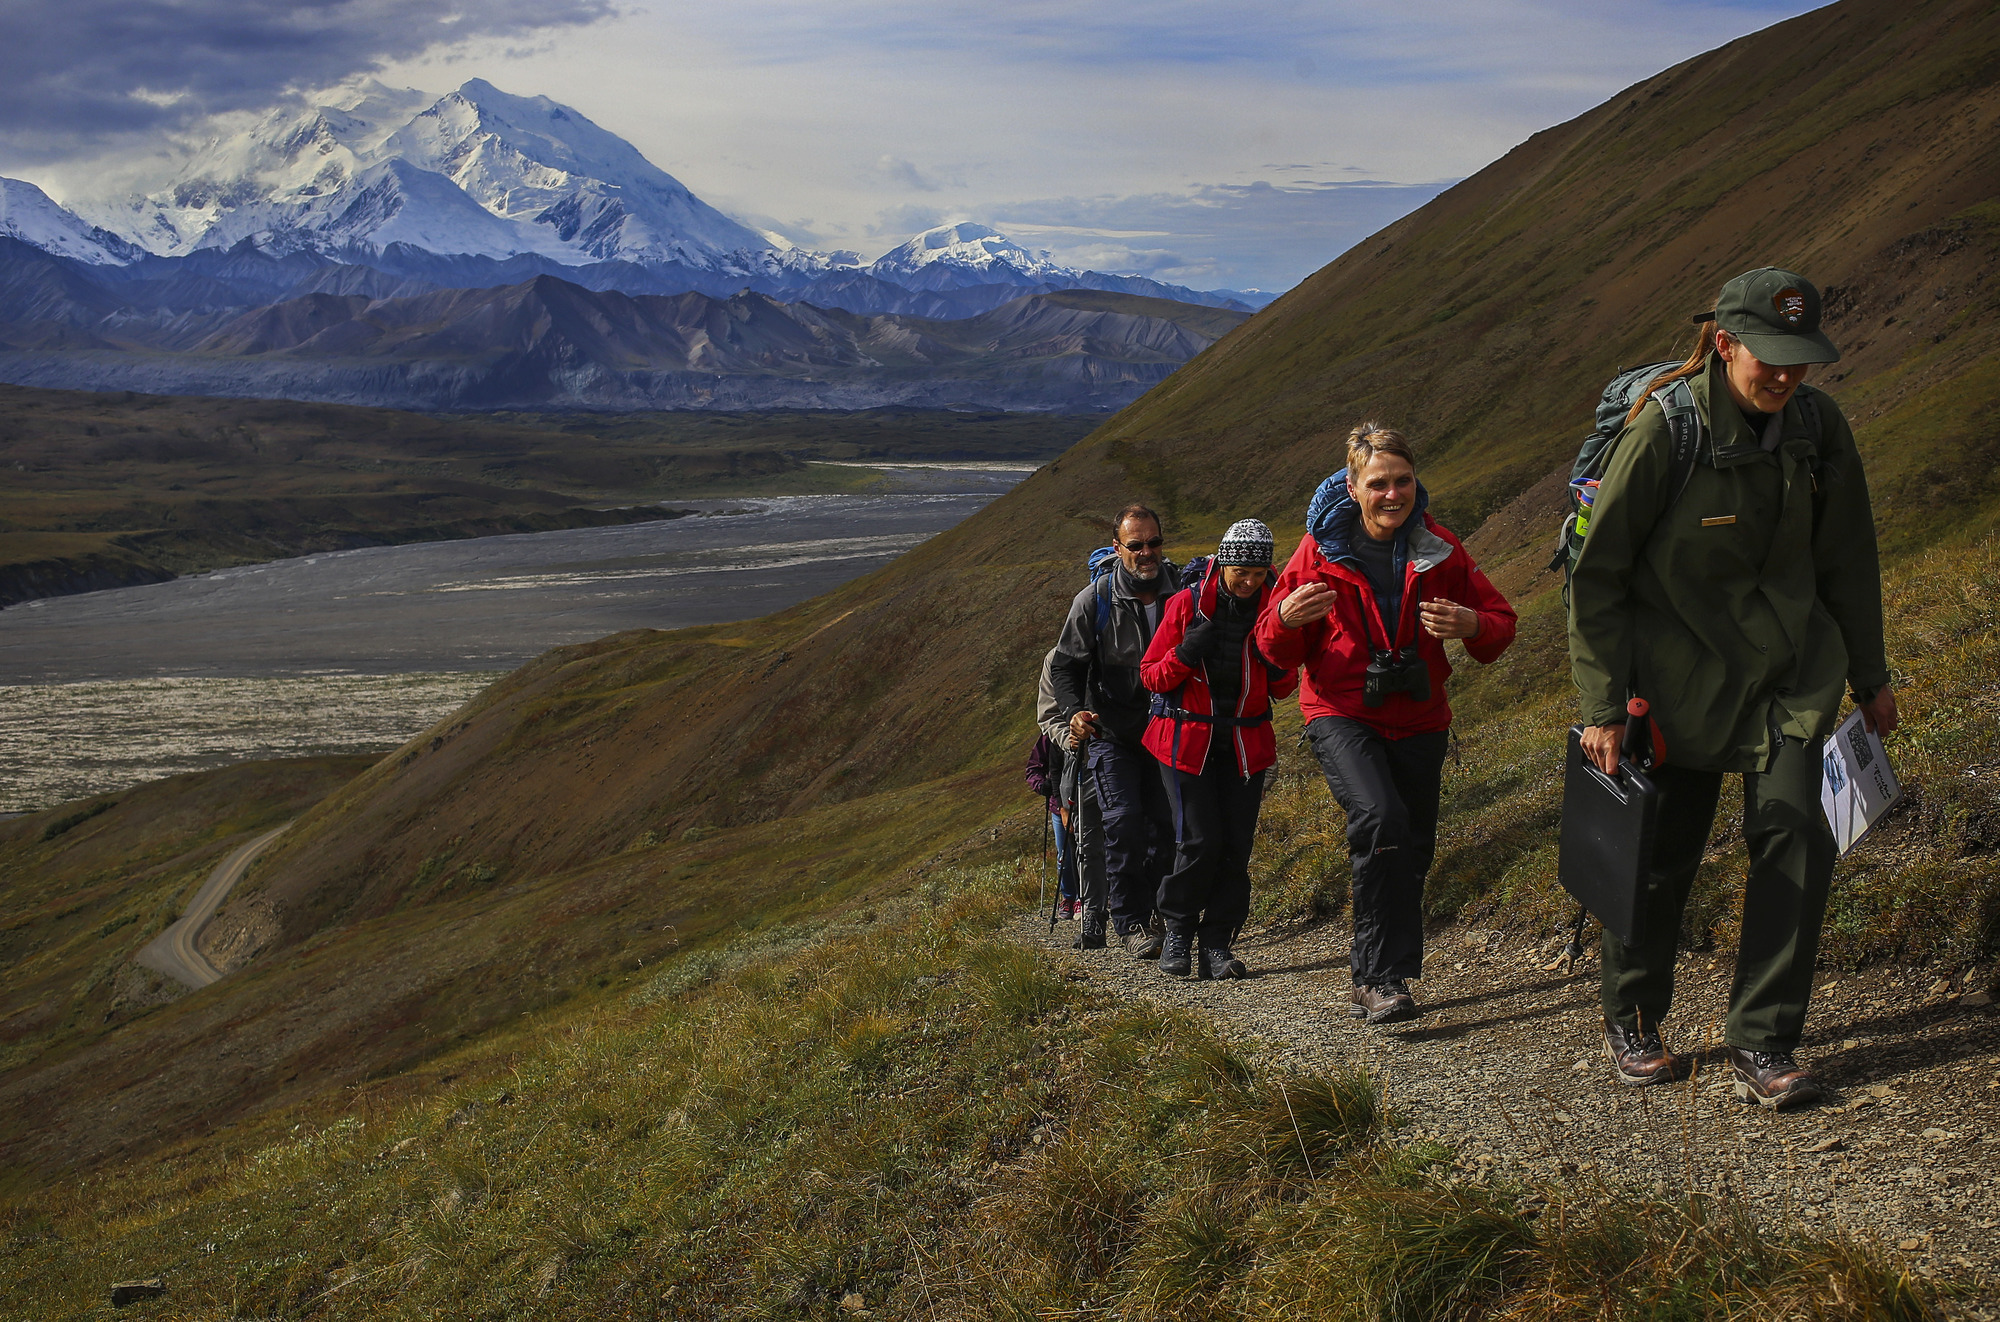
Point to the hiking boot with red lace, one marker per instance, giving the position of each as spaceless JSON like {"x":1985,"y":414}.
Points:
{"x":1772,"y":1079}
{"x":1639,"y":1057}
{"x":1387,"y":1002}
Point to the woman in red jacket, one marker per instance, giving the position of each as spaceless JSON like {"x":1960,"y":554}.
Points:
{"x":1365,"y":605}
{"x":1211,"y":732}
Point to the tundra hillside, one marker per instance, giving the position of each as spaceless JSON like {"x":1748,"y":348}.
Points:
{"x":1857,"y":144}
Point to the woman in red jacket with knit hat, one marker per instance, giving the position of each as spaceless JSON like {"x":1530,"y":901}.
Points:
{"x":1211,"y":732}
{"x":1365,"y":605}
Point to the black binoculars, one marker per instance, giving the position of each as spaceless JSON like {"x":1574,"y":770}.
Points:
{"x":1400,"y":671}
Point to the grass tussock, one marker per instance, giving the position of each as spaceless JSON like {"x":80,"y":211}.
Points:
{"x":909,"y":1115}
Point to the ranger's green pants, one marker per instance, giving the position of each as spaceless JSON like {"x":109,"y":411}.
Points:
{"x":1784,"y":901}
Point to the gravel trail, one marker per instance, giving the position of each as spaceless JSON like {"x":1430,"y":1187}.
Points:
{"x":1506,"y":1065}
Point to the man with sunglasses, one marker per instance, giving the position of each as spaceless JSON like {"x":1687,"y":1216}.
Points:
{"x":1095,"y":676}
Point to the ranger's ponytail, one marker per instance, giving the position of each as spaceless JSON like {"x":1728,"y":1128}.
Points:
{"x":1696,"y":364}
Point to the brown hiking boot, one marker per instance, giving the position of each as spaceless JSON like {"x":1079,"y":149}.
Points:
{"x":1386,"y":1002}
{"x":1640,"y":1057}
{"x":1772,"y":1079}
{"x":1143,"y":942}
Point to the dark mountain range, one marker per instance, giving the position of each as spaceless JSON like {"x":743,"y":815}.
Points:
{"x":246,"y":323}
{"x":361,"y":336}
{"x":595,"y":788}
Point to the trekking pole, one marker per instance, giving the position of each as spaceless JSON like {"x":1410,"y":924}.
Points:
{"x":1072,"y":800}
{"x":1042,"y":875}
{"x":1572,"y":952}
{"x":1055,"y":901}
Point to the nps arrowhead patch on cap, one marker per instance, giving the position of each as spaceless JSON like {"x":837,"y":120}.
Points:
{"x":1774,"y":313}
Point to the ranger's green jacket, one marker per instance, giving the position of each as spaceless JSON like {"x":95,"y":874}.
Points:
{"x":1741,"y":609}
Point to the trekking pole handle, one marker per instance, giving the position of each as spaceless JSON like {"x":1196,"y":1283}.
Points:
{"x":1635,"y":740}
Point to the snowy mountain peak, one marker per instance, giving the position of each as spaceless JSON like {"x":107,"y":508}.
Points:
{"x":538,"y":163}
{"x":967,"y":249}
{"x":28,"y":214}
{"x":477,"y":171}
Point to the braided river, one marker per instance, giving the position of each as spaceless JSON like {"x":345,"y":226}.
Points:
{"x":357,"y":651}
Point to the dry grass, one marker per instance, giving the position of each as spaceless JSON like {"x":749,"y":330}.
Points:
{"x":905,"y":1108}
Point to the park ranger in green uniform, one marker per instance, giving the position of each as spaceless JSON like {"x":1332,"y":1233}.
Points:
{"x":1740,"y":608}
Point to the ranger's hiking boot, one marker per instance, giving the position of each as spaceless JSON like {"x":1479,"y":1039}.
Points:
{"x":1091,"y":937}
{"x":1143,"y":942}
{"x":1386,"y":1002}
{"x":1639,"y":1057}
{"x":1772,"y":1079}
{"x":1174,"y":954}
{"x":1217,"y":963}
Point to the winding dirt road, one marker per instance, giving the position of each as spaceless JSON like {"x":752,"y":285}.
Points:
{"x":173,"y":952}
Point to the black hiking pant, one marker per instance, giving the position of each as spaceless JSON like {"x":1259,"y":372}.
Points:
{"x":1792,"y":853}
{"x":1207,"y":895}
{"x":1389,"y":789}
{"x":1138,"y":832}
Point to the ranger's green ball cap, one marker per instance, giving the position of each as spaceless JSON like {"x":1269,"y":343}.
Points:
{"x":1775,"y":313}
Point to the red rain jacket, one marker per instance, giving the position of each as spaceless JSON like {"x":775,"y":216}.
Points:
{"x":1335,"y":651}
{"x":1187,"y":688}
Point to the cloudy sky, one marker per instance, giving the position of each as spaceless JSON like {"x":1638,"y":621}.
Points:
{"x":1214,"y":144}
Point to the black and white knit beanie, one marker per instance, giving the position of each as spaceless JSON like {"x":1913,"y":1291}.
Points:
{"x":1248,"y":542}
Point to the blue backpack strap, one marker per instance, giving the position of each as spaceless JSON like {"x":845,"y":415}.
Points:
{"x":1103,"y":608}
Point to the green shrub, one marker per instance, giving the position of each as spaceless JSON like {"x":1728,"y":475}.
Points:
{"x":76,"y":819}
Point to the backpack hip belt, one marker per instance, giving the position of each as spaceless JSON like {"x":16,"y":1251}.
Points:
{"x":1204,"y":718}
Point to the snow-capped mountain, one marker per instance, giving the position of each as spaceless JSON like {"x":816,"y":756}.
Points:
{"x":290,"y":160}
{"x":476,"y":172}
{"x":542,"y":165}
{"x":480,"y":188}
{"x":28,"y":214}
{"x":952,"y":256}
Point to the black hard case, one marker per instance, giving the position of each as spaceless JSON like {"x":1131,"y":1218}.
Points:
{"x":1607,"y":837}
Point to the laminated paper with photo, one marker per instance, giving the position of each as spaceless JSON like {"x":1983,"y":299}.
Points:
{"x":1857,"y":786}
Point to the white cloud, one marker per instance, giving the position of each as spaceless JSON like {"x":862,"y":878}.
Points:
{"x":1232,"y":129}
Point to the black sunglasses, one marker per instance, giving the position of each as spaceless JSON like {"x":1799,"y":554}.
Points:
{"x":1153,"y":545}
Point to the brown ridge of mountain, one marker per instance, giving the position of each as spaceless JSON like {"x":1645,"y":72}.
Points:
{"x":694,"y":332}
{"x":547,"y":339}
{"x":1857,"y":143}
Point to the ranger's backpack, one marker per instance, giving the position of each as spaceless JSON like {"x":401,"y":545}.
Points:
{"x":1675,"y":399}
